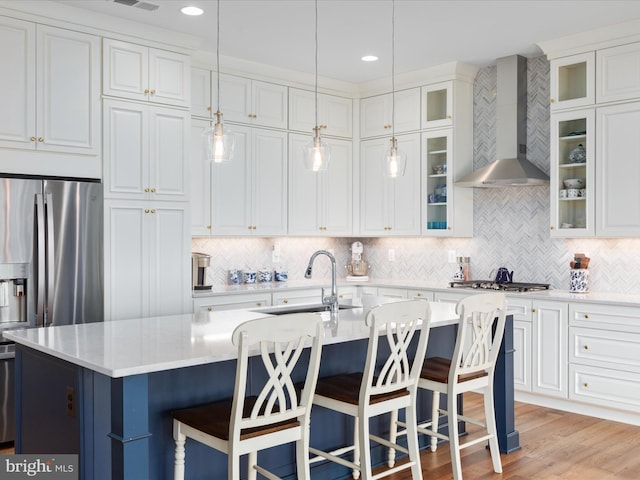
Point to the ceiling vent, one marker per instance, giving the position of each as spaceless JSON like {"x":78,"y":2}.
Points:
{"x":135,"y":3}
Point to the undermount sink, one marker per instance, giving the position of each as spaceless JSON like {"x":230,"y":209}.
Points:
{"x":313,"y":308}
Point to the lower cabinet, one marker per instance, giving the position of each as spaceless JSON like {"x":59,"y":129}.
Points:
{"x":231,"y":302}
{"x":549,"y":354}
{"x":147,"y":251}
{"x":298,"y":296}
{"x":521,"y":309}
{"x":604,"y":360}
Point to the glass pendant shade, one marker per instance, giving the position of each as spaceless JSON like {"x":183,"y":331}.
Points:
{"x":317,"y":154}
{"x":218,"y":142}
{"x":396,"y":160}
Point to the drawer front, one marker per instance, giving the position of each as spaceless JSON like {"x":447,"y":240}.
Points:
{"x":520,"y":308}
{"x":605,"y":387}
{"x":605,"y":317}
{"x":605,"y":348}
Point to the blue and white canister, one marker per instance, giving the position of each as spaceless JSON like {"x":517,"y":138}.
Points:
{"x":250,"y":276}
{"x":281,"y":275}
{"x":235,"y":276}
{"x":579,"y":280}
{"x":265,"y":275}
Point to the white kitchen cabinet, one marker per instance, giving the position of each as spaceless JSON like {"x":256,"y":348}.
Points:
{"x":49,"y":90}
{"x":618,"y":171}
{"x":447,"y":209}
{"x":203,"y":305}
{"x":148,"y":74}
{"x":320,"y":203}
{"x":200,"y":180}
{"x":604,"y":366}
{"x":201,"y":100}
{"x":389,"y":206}
{"x":146,"y":151}
{"x":335,"y":114}
{"x":147,"y":246}
{"x":521,"y":309}
{"x":391,"y":292}
{"x":376,"y":113}
{"x":437,"y":105}
{"x":419,"y":294}
{"x":249,"y":193}
{"x":572,"y":82}
{"x":618,"y":73}
{"x":251,"y":101}
{"x":549,"y":355}
{"x":296,"y":297}
{"x":573,"y":215}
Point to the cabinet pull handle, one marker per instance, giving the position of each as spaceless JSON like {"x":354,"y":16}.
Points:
{"x":210,"y":309}
{"x":33,"y":139}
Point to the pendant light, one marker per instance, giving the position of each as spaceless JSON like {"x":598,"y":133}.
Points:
{"x":317,"y":153}
{"x":218,"y":143}
{"x":395,"y":159}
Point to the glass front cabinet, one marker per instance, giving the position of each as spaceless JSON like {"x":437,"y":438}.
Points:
{"x":572,"y":180}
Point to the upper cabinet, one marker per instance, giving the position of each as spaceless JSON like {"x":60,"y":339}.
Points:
{"x":335,"y":114}
{"x":50,"y":93}
{"x":251,"y":101}
{"x":389,"y":206}
{"x":376,"y":113}
{"x":148,"y":74}
{"x":146,"y":151}
{"x":437,"y":108}
{"x":618,"y":73}
{"x":320,"y":203}
{"x":573,"y":81}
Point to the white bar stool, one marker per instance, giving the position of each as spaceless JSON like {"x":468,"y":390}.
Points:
{"x":279,"y":414}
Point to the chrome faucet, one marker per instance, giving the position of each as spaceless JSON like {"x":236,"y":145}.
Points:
{"x":330,"y":300}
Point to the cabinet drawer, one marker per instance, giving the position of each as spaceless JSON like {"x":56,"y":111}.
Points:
{"x":605,"y":317}
{"x":605,"y":348}
{"x":606,"y":387}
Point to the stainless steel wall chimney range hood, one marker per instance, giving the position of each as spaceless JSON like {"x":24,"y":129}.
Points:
{"x":512,"y":168}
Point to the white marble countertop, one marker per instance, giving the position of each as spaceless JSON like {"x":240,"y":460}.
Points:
{"x":628,"y":299}
{"x":139,"y":346}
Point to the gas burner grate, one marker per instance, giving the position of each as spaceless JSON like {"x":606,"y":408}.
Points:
{"x":505,"y":287}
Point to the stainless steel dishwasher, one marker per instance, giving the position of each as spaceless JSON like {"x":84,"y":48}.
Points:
{"x":7,"y":392}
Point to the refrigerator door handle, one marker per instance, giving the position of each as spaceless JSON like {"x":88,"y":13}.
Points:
{"x":50,"y":269}
{"x":40,"y":260}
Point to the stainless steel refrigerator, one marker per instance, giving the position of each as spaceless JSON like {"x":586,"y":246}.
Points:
{"x":51,"y":260}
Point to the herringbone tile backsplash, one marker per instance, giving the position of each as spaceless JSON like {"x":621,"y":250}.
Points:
{"x":511,"y":225}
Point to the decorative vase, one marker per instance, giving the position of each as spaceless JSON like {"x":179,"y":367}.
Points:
{"x":578,"y":155}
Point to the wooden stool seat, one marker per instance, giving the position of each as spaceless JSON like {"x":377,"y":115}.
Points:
{"x":346,"y":388}
{"x":437,"y":369}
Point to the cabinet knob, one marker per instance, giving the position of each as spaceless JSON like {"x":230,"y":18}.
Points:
{"x":418,"y":294}
{"x":210,"y":309}
{"x":146,"y":90}
{"x":285,"y":301}
{"x":208,"y":227}
{"x":553,"y":100}
{"x":209,"y":108}
{"x":153,"y":210}
{"x":146,"y":210}
{"x":146,"y":190}
{"x":448,"y":117}
{"x":153,"y":92}
{"x":258,"y":304}
{"x":33,"y":139}
{"x":586,"y":347}
{"x":586,"y":385}
{"x":41,"y":139}
{"x":533,"y":310}
{"x":586,"y":315}
{"x":551,"y":227}
{"x":153,"y":190}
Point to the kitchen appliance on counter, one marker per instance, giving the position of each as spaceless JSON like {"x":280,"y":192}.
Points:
{"x":505,"y":286}
{"x":357,"y":268}
{"x":51,"y":262}
{"x":200,"y":262}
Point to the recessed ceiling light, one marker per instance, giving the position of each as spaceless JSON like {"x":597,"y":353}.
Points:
{"x":369,"y":58}
{"x":194,"y":11}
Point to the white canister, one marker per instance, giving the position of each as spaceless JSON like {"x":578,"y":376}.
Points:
{"x":579,"y":282}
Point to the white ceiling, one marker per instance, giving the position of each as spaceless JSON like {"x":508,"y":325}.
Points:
{"x":428,"y":32}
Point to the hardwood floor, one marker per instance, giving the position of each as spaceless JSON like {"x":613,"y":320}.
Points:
{"x":556,"y":445}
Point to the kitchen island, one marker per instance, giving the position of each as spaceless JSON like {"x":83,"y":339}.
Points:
{"x":105,"y":390}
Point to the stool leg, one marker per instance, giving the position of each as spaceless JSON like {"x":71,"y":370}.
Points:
{"x":365,"y":450}
{"x":412,"y":440}
{"x":356,"y":447}
{"x":490,"y":420}
{"x":454,"y":440}
{"x":302,"y":455}
{"x":233,"y":465}
{"x":252,"y":459}
{"x":435,"y":416}
{"x":393,"y":436}
{"x":178,"y":465}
